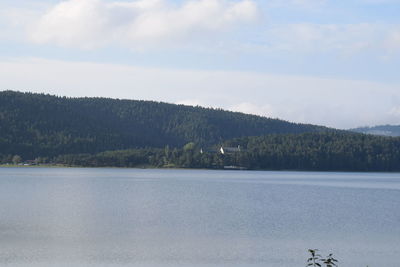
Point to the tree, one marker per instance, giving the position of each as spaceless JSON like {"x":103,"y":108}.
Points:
{"x":315,"y":259}
{"x":16,"y":159}
{"x":189,"y":146}
{"x":330,"y":261}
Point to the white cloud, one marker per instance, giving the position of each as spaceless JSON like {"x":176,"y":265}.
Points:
{"x":13,"y":21}
{"x":191,"y":102}
{"x":265,"y":110}
{"x":392,"y":42}
{"x":395,"y":111}
{"x":333,"y":102}
{"x":345,"y":39}
{"x":306,"y":4}
{"x":142,"y":24}
{"x":137,"y":24}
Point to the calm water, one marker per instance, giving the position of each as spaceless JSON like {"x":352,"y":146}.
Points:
{"x":154,"y":218}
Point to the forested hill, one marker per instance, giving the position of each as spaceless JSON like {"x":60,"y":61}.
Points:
{"x":34,"y":125}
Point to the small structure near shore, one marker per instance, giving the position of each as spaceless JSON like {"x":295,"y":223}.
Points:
{"x":222,"y":150}
{"x":229,"y":150}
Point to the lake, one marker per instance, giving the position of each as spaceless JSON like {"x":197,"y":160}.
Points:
{"x":63,"y":217}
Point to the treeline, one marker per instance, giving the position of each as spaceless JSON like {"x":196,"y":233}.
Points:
{"x":331,"y":151}
{"x":147,"y":158}
{"x":39,"y":125}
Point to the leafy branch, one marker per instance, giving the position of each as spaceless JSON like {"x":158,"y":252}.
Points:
{"x":316,"y":260}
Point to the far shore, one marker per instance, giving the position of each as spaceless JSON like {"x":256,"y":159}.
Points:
{"x":148,"y":167}
{"x":33,"y":166}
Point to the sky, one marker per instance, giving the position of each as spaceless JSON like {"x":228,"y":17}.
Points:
{"x":326,"y":62}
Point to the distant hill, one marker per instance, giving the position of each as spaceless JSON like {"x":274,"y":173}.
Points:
{"x":383,"y":130}
{"x":33,"y":125}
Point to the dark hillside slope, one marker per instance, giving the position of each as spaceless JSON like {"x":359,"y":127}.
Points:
{"x":34,"y":125}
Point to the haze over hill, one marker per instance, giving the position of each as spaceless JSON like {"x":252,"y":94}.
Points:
{"x":385,"y":130}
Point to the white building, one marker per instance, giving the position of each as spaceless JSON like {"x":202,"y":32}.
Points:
{"x":227,"y":150}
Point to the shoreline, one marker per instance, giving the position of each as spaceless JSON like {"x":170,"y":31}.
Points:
{"x":176,"y":168}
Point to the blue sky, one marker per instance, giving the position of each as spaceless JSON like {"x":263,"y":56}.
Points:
{"x":326,"y":62}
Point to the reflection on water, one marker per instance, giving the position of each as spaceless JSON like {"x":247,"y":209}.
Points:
{"x":151,"y":218}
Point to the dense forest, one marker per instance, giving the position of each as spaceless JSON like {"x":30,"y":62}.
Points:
{"x":34,"y":125}
{"x":100,"y":132}
{"x":339,"y":151}
{"x":330,"y":151}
